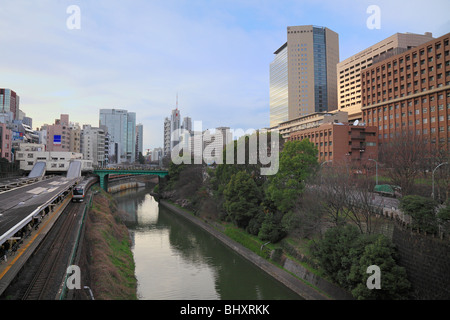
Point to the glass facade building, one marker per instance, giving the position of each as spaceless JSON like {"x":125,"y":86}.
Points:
{"x":320,"y":70}
{"x":303,"y":78}
{"x":279,"y":87}
{"x":121,"y":127}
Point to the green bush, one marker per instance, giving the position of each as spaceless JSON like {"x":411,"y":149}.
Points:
{"x":422,"y":211}
{"x":345,"y":254}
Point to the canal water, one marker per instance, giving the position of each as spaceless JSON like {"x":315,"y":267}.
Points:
{"x":177,"y":260}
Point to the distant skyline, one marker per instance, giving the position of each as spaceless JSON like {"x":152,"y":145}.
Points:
{"x":138,"y":55}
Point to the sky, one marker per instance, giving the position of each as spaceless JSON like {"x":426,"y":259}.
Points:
{"x":139,"y":55}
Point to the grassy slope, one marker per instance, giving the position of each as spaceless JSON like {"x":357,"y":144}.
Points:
{"x":111,"y":259}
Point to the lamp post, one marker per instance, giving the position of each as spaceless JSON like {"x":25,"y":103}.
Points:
{"x":325,"y":162}
{"x":376,"y":171}
{"x":432,"y":177}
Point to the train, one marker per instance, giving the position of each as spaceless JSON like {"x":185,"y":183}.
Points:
{"x":80,"y":190}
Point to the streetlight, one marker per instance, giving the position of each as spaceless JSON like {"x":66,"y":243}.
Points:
{"x":325,"y":162}
{"x":432,"y":193}
{"x":376,"y":171}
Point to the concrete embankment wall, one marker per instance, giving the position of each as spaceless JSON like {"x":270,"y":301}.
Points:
{"x":295,"y":284}
{"x":125,"y":185}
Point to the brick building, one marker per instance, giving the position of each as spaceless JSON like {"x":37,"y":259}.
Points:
{"x":340,"y":142}
{"x":410,"y":93}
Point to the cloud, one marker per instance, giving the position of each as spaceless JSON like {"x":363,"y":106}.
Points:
{"x":137,"y":55}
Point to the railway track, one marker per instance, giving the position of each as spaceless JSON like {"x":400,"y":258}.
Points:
{"x":49,"y":272}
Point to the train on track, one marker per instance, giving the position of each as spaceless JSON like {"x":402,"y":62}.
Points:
{"x":81,"y":189}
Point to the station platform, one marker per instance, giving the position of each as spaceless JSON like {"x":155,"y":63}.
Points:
{"x":15,"y":260}
{"x":17,"y":204}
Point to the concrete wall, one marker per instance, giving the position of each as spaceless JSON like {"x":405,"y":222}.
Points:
{"x":427,"y":263}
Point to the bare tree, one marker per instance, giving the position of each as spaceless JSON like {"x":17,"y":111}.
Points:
{"x":334,"y":191}
{"x":346,"y":195}
{"x":404,"y":157}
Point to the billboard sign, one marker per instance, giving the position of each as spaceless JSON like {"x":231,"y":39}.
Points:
{"x":57,"y":140}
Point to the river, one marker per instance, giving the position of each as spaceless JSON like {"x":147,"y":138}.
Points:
{"x":177,"y":260}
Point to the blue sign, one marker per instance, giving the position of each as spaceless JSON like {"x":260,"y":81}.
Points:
{"x":57,"y":139}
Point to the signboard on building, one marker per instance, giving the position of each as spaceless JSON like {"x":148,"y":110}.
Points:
{"x":17,"y":135}
{"x":57,"y":140}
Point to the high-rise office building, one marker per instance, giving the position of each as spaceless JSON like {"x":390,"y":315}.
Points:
{"x":139,"y":140}
{"x":174,"y":127}
{"x":187,"y":124}
{"x":349,"y":70}
{"x":121,"y":127}
{"x":166,"y":150}
{"x":303,"y":74}
{"x":9,"y":102}
{"x":131,"y":137}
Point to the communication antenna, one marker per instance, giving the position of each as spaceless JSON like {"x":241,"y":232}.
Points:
{"x":356,"y":122}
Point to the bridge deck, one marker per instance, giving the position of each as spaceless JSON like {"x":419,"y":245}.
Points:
{"x":104,"y":173}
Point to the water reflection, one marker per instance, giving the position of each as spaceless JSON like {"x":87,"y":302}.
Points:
{"x":177,"y":260}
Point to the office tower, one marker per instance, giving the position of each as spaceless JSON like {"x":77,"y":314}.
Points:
{"x":121,"y":126}
{"x":303,"y":74}
{"x":410,"y":93}
{"x":139,"y":140}
{"x":9,"y":102}
{"x":166,"y":151}
{"x":174,"y":128}
{"x":187,"y":124}
{"x":349,"y":70}
{"x":131,"y":137}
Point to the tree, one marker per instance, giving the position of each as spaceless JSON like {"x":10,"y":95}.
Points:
{"x":335,"y":250}
{"x":242,"y":199}
{"x":404,"y":157}
{"x":297,"y":161}
{"x":422,"y":211}
{"x":394,"y":284}
{"x":345,"y":255}
{"x":271,"y":228}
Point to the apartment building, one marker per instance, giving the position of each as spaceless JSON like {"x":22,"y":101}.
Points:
{"x":349,"y":70}
{"x":410,"y":92}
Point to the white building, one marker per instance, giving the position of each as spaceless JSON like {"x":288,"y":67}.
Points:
{"x":57,"y":161}
{"x":93,"y":144}
{"x":157,"y":154}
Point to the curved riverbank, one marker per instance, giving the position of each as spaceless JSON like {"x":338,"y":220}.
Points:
{"x":295,"y":284}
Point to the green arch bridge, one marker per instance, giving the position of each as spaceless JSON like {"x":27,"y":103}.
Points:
{"x":104,"y":173}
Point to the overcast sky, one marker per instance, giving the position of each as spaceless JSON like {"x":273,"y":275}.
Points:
{"x":139,"y":54}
